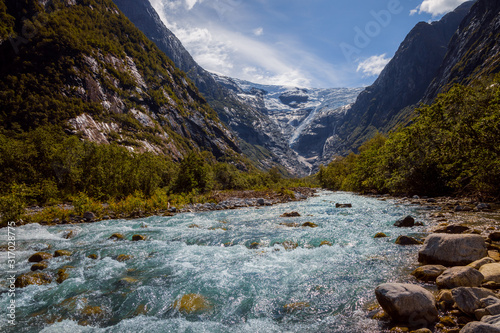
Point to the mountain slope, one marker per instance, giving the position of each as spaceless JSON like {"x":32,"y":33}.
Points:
{"x":260,"y":138}
{"x":403,"y":81}
{"x":87,"y":68}
{"x":474,"y":50}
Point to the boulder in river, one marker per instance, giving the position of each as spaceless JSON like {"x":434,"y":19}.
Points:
{"x":40,"y":256}
{"x":137,"y":238}
{"x":30,"y":278}
{"x":192,"y":303}
{"x":428,"y":273}
{"x":452,"y":250}
{"x":408,"y":304}
{"x":339,"y":205}
{"x":309,"y":225}
{"x":116,"y":237}
{"x":123,"y":257}
{"x":62,"y":253}
{"x":380,"y":235}
{"x":468,"y":299}
{"x":39,"y":266}
{"x":291,"y":214}
{"x":459,"y":276}
{"x":407,"y":222}
{"x":62,"y":275}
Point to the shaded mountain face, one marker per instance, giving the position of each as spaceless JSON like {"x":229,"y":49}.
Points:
{"x":474,"y":50}
{"x":403,"y":82}
{"x":84,"y":66}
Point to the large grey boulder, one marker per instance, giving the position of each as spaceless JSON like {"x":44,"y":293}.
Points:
{"x":408,"y":304}
{"x":468,"y":299}
{"x":491,"y":272}
{"x":460,"y":276}
{"x":479,"y":327}
{"x":452,"y":250}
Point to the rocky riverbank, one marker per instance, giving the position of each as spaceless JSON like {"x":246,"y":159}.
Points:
{"x":456,"y":288}
{"x":217,"y":200}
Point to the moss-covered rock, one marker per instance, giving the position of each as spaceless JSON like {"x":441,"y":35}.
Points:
{"x":62,"y":253}
{"x":116,"y":237}
{"x":38,"y":278}
{"x":380,"y":235}
{"x":40,"y":256}
{"x":39,"y":266}
{"x":62,"y":275}
{"x":192,"y":303}
{"x":136,"y":238}
{"x":123,"y":257}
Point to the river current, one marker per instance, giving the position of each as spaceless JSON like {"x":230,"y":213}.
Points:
{"x":257,"y":271}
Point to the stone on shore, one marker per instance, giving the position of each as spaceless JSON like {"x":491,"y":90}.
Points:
{"x":481,"y":262}
{"x":452,"y":250}
{"x":406,"y":240}
{"x":480,"y":327}
{"x":407,"y":222}
{"x":452,"y":229}
{"x":89,"y":216}
{"x":491,"y":272}
{"x":468,"y":299}
{"x":428,"y":273}
{"x":459,"y":277}
{"x":407,"y":303}
{"x":40,"y":256}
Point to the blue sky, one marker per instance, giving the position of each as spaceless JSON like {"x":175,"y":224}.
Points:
{"x":313,"y":43}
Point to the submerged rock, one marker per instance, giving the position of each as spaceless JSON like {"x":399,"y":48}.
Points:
{"x":290,"y":245}
{"x":39,"y":266}
{"x":452,"y":250}
{"x":291,"y":214}
{"x":40,"y":256}
{"x":325,"y":243}
{"x":428,"y":273}
{"x":192,"y":303}
{"x":116,"y":237}
{"x":459,"y":277}
{"x":123,"y":257}
{"x":137,"y":238}
{"x":407,"y":303}
{"x":62,"y":275}
{"x":296,"y":306}
{"x":62,"y":253}
{"x":38,"y":278}
{"x":92,"y":256}
{"x":407,"y":222}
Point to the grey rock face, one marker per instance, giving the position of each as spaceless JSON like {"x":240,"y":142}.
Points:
{"x":408,"y":304}
{"x":459,"y":277}
{"x":452,"y":250}
{"x":468,"y":300}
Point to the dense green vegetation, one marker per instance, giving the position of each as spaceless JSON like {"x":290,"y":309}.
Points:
{"x":451,"y":148}
{"x":46,"y":166}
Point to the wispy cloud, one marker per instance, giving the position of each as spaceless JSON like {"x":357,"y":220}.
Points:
{"x":259,"y":31}
{"x":374,"y":65}
{"x":222,"y":50}
{"x":437,"y":7}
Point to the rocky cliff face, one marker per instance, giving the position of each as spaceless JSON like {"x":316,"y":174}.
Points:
{"x":403,"y":82}
{"x":87,"y":68}
{"x":474,"y":50}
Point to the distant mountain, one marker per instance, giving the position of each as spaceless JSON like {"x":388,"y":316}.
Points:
{"x":403,"y":82}
{"x":303,"y":115}
{"x":474,"y":50}
{"x":87,"y":68}
{"x":260,"y":138}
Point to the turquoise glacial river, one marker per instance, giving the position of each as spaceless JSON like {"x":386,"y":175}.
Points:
{"x":255,"y":274}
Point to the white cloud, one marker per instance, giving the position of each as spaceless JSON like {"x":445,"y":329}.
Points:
{"x":373,"y":65}
{"x":437,"y":7}
{"x":259,"y":31}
